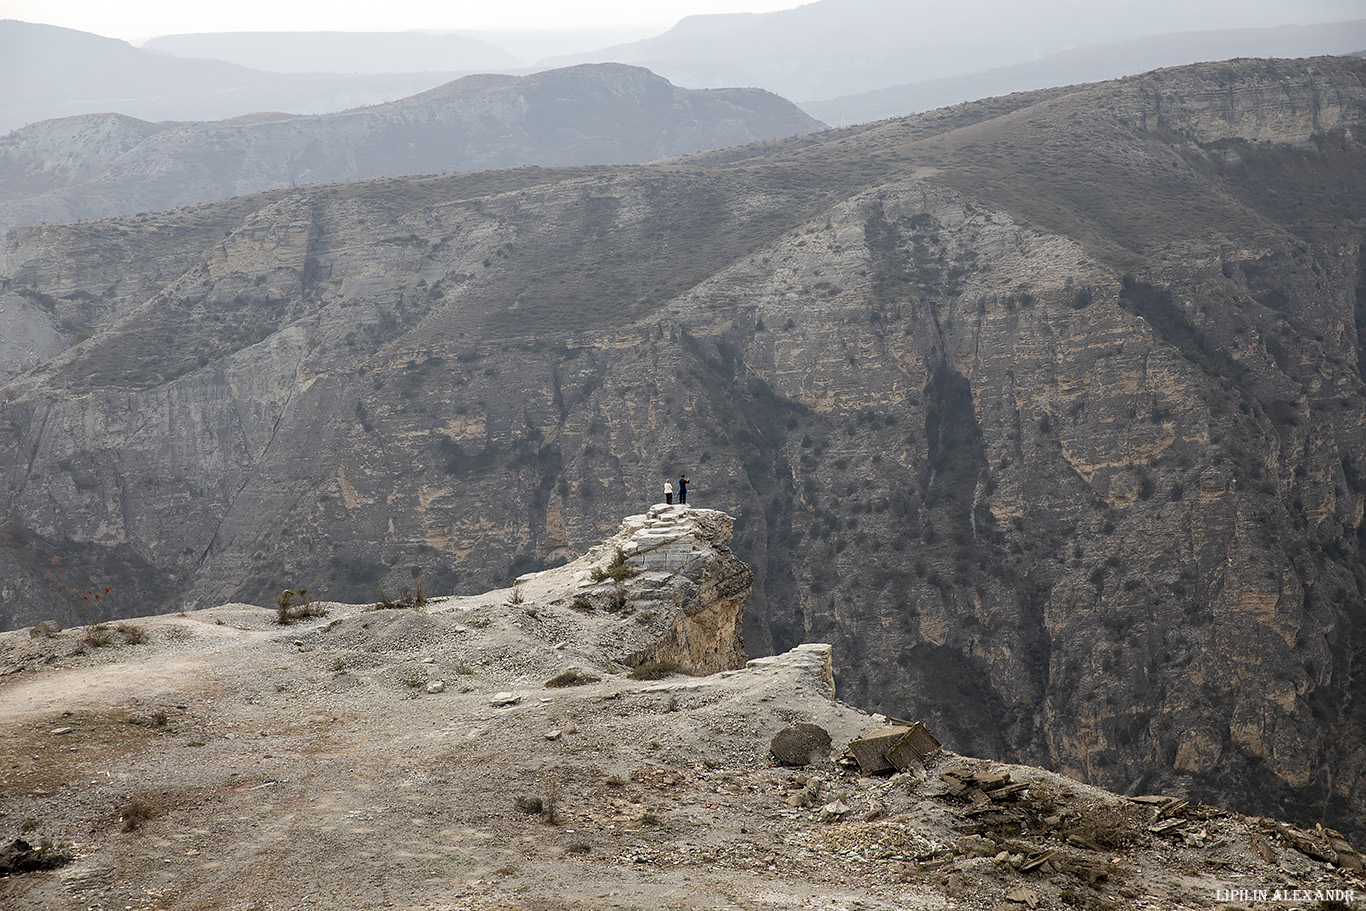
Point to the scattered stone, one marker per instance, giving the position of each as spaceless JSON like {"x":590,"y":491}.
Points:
{"x":501,"y":699}
{"x":60,"y":731}
{"x":800,"y":745}
{"x":21,"y":857}
{"x":553,"y":735}
{"x":834,"y":811}
{"x":529,"y":804}
{"x":45,"y":630}
{"x":1169,"y":825}
{"x":976,"y":846}
{"x":1347,"y":858}
{"x":1024,"y":896}
{"x":436,"y":686}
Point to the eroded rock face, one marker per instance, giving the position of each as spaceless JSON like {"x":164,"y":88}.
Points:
{"x":685,"y":571}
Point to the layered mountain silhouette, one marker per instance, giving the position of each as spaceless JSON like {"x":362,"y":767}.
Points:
{"x":107,"y":164}
{"x":832,"y":48}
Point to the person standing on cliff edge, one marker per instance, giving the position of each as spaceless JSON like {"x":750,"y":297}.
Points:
{"x":668,"y":493}
{"x":682,"y":490}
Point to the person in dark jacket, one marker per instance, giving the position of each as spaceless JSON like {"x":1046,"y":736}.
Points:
{"x":683,"y":490}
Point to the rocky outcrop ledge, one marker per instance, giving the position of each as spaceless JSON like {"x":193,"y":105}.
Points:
{"x":672,"y":564}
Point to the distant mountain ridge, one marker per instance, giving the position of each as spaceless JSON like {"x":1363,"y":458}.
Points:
{"x":105,"y":164}
{"x":50,"y":72}
{"x":1093,"y":63}
{"x":832,"y":48}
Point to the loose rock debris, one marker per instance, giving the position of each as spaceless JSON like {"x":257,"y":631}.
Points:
{"x":21,"y":857}
{"x":1062,"y":841}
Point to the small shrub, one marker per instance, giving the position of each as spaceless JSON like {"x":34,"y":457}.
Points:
{"x":480,"y":622}
{"x":578,"y":847}
{"x":98,"y":635}
{"x":618,"y":570}
{"x":582,"y":605}
{"x":656,"y":670}
{"x":292,"y":606}
{"x":617,"y":602}
{"x":516,"y":597}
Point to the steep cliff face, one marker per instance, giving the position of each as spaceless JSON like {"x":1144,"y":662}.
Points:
{"x":1047,"y":411}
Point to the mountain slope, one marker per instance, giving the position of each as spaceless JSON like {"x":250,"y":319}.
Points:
{"x":101,"y":165}
{"x":1048,"y":411}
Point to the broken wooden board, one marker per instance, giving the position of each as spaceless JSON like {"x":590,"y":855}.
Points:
{"x":870,"y":750}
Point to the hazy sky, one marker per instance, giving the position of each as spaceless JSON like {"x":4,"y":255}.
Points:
{"x":138,"y":20}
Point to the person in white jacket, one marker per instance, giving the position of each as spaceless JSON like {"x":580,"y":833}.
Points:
{"x":669,"y":493}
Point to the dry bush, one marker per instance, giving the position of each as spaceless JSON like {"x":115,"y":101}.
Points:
{"x":572,"y":677}
{"x":411,"y":599}
{"x":131,"y":634}
{"x":98,"y":635}
{"x":136,"y":812}
{"x":656,"y":670}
